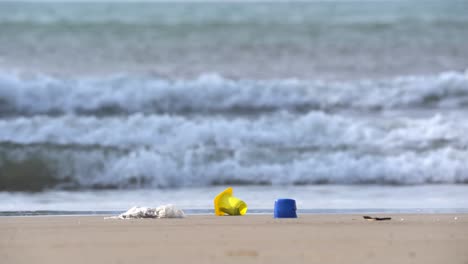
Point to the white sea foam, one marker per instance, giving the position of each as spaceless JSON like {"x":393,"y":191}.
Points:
{"x":119,"y":132}
{"x":145,"y":169}
{"x":280,"y":131}
{"x":167,"y":151}
{"x":163,"y":211}
{"x":213,"y":94}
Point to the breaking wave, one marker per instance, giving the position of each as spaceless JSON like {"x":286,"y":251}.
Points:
{"x":211,"y":93}
{"x":141,"y":151}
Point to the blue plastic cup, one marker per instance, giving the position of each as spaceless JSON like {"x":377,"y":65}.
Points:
{"x":285,"y":208}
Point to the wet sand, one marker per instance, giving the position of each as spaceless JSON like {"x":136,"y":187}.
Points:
{"x":430,"y":238}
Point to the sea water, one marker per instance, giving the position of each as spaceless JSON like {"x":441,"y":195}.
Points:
{"x":339,"y":104}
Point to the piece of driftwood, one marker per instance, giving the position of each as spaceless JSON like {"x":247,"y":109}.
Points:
{"x":370,"y":218}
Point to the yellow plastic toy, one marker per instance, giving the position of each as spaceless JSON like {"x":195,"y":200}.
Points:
{"x":225,"y":203}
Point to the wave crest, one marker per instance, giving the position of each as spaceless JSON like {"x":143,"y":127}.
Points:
{"x":214,"y":94}
{"x":36,"y":168}
{"x":150,"y":151}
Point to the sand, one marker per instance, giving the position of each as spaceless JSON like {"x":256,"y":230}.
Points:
{"x":431,"y":238}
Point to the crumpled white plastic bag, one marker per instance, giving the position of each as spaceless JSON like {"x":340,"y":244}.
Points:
{"x":163,"y":211}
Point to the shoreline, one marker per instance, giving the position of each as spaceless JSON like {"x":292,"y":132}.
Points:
{"x":209,"y":212}
{"x":340,"y":238}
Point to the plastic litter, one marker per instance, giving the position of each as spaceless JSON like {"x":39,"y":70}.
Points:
{"x":163,"y":211}
{"x":285,"y":208}
{"x":225,"y":203}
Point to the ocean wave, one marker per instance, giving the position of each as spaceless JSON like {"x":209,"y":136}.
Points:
{"x":282,"y":130}
{"x":32,"y":168}
{"x":211,"y":93}
{"x":169,"y":151}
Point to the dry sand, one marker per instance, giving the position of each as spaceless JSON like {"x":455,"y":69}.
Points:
{"x":248,"y":239}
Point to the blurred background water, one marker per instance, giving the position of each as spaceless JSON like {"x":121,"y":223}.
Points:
{"x":339,"y":104}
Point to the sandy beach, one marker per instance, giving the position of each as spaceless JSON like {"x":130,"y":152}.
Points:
{"x":430,"y":238}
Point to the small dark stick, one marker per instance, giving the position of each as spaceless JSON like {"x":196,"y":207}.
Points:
{"x":370,"y":218}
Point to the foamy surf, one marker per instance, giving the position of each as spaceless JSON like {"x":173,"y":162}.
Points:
{"x":163,"y":211}
{"x":104,"y":106}
{"x":212,"y":93}
{"x":73,"y":152}
{"x":128,"y":131}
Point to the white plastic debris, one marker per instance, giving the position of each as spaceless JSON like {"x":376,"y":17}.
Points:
{"x":163,"y":211}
